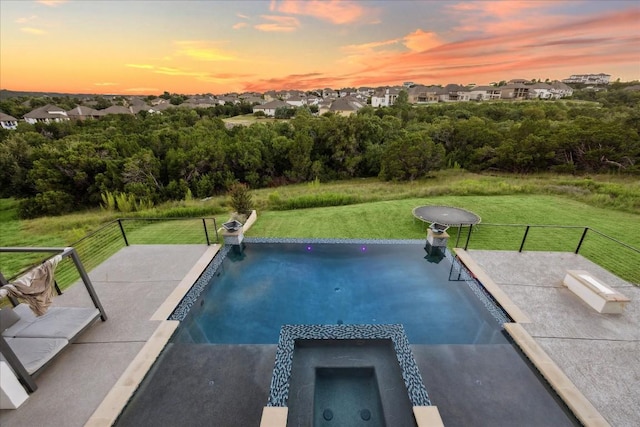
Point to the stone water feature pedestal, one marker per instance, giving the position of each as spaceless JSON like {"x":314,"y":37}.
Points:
{"x":437,"y":236}
{"x":233,"y":233}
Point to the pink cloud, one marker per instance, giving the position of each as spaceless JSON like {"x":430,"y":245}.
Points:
{"x":334,"y":11}
{"x":278,"y":24}
{"x":240,"y":25}
{"x":501,"y":17}
{"x":366,"y":48}
{"x":528,"y":52}
{"x":52,"y":3}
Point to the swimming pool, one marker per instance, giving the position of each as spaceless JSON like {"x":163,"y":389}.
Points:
{"x":249,"y":294}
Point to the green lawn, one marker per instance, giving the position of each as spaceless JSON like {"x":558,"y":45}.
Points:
{"x":393,"y":219}
{"x":609,"y":204}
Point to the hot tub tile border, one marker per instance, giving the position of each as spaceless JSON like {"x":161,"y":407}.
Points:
{"x":279,"y":389}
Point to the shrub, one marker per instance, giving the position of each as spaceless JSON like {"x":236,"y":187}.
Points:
{"x":47,"y":203}
{"x":241,"y":200}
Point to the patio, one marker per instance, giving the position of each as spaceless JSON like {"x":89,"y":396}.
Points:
{"x":139,"y":285}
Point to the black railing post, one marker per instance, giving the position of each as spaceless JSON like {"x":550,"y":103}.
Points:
{"x":584,"y":234}
{"x":124,"y":236}
{"x":466,"y":245}
{"x":204,"y":224}
{"x":87,"y":282}
{"x":459,"y":231}
{"x":524,"y":238}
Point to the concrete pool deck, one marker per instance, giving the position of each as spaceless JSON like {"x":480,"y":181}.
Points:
{"x":90,"y":382}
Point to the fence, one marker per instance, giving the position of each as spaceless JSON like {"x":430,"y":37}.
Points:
{"x":98,"y":246}
{"x":617,"y":257}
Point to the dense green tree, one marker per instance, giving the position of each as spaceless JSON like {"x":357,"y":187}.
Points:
{"x":411,"y":156}
{"x":158,"y":157}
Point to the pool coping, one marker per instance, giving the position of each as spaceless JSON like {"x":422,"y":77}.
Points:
{"x":579,"y":405}
{"x":117,"y":398}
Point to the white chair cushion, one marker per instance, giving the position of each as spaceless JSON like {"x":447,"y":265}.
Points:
{"x":57,"y":322}
{"x":33,"y":353}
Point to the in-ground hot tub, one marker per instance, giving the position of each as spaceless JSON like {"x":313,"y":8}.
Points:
{"x":346,"y":375}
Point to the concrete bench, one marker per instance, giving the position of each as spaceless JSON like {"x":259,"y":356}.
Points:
{"x":599,"y":296}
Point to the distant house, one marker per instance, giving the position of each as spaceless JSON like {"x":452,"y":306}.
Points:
{"x":158,"y":108}
{"x":590,"y":79}
{"x":201,"y":103}
{"x":454,"y":93}
{"x":541,"y":91}
{"x":560,"y":89}
{"x":269,"y":109}
{"x":313,"y":100}
{"x":365,"y":91}
{"x":223,"y":100}
{"x":516,"y":91}
{"x":270,"y":96}
{"x":324,"y":105}
{"x":135,"y":109}
{"x":484,"y":93}
{"x":8,"y":122}
{"x":345,"y":106}
{"x":385,"y":97}
{"x":82,"y":112}
{"x":420,"y":94}
{"x":329,"y":93}
{"x":117,"y":109}
{"x":251,"y":100}
{"x":47,"y":114}
{"x":296,"y":101}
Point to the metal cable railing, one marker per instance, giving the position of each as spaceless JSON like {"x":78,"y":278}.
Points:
{"x":99,"y":245}
{"x":618,"y":257}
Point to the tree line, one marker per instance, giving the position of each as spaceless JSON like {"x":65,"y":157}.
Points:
{"x":59,"y":167}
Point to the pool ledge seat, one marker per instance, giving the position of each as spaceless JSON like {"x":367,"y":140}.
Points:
{"x":427,"y":416}
{"x":276,"y":416}
{"x":594,"y":292}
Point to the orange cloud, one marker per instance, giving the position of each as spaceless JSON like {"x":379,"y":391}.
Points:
{"x":240,"y":25}
{"x":419,"y":40}
{"x":202,"y":50}
{"x":170,"y":71}
{"x":334,"y":11}
{"x":106,"y":84}
{"x":280,"y":24}
{"x":34,"y":31}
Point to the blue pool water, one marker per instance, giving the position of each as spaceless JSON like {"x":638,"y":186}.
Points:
{"x":255,"y":291}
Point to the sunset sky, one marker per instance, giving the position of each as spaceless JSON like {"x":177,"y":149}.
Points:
{"x":190,"y":47}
